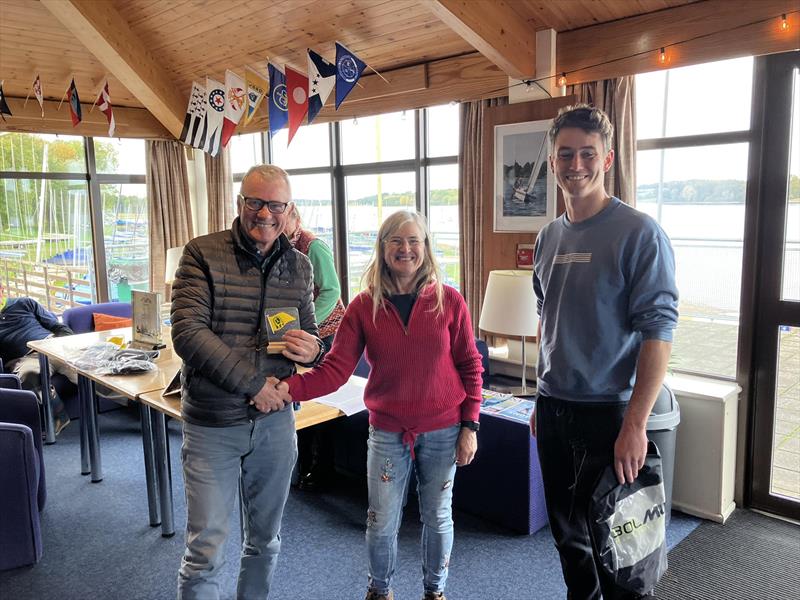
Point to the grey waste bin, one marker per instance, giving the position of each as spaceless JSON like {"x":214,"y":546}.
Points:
{"x":661,"y":429}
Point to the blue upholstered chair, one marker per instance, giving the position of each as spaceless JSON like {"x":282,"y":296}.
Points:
{"x":22,"y":479}
{"x":9,"y":381}
{"x":80,"y":319}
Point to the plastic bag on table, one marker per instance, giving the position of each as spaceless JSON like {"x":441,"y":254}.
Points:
{"x":92,"y":357}
{"x":628,"y":525}
{"x":129,"y":361}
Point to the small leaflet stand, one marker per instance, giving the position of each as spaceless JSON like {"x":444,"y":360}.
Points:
{"x":146,"y":308}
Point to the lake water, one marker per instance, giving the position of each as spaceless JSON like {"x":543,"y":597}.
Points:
{"x":707,"y":239}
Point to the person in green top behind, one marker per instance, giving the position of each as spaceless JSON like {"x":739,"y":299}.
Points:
{"x":315,"y":444}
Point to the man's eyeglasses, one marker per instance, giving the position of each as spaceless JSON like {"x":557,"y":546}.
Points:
{"x":256,"y":204}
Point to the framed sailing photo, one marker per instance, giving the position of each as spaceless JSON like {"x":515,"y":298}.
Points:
{"x":524,"y":186}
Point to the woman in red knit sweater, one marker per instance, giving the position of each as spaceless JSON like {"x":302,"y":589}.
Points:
{"x":423,"y":395}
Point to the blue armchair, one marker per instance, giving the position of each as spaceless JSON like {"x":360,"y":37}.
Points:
{"x":80,"y":320}
{"x":9,"y":381}
{"x":22,"y":479}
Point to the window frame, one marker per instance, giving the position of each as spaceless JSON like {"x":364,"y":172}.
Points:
{"x":711,"y":139}
{"x":94,"y":180}
{"x":338,"y":173}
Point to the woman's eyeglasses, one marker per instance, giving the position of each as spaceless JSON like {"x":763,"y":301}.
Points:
{"x":256,"y":204}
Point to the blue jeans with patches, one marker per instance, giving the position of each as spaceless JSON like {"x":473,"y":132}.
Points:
{"x":389,"y":467}
{"x":254,"y":459}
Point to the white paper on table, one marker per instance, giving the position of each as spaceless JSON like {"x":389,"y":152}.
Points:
{"x":349,"y":398}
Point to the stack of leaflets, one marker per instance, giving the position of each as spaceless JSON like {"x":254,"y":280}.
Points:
{"x":278,"y":321}
{"x":507,"y":406}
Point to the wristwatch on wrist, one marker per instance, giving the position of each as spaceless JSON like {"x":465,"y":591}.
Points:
{"x":471,"y":425}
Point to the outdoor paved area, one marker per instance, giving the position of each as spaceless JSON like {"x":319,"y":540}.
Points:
{"x":710,"y":346}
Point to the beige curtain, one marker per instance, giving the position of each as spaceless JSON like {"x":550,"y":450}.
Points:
{"x":616,"y":98}
{"x":219,"y":183}
{"x":170,"y":209}
{"x":470,"y":201}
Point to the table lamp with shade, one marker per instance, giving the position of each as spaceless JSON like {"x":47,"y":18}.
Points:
{"x":172,"y":261}
{"x":509,"y":308}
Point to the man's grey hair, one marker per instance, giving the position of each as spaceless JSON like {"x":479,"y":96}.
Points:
{"x":269,"y":173}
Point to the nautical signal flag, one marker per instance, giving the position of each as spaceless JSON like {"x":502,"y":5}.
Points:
{"x":74,"y":104}
{"x":37,"y":91}
{"x":4,"y":110}
{"x":278,"y":103}
{"x":279,"y":320}
{"x":257,"y":88}
{"x":215,"y":109}
{"x":193,"y":122}
{"x":297,"y":90}
{"x":348,"y":71}
{"x":235,"y":101}
{"x":103,"y":102}
{"x":321,"y":80}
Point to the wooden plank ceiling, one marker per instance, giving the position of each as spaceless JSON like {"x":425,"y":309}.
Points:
{"x":152,"y":50}
{"x":194,"y":38}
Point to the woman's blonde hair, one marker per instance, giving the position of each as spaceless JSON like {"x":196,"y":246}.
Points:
{"x":377,"y":279}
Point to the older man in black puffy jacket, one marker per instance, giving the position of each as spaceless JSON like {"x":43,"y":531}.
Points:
{"x":238,"y":431}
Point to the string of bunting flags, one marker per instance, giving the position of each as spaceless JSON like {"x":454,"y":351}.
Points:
{"x":103,"y":102}
{"x":215,"y":110}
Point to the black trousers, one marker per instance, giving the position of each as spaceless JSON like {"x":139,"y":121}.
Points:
{"x":575,"y":442}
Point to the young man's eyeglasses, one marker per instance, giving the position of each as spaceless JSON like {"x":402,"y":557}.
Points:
{"x":256,"y":204}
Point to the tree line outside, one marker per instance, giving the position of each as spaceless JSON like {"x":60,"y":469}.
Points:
{"x":64,"y":221}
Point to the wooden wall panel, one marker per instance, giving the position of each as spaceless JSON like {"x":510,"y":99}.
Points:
{"x":574,"y":14}
{"x":719,"y":22}
{"x":499,"y":249}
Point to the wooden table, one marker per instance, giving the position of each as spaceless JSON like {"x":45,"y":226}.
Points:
{"x":310,"y":413}
{"x":130,"y":386}
{"x":146,"y":389}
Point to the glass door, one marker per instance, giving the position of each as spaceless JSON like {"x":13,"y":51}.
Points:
{"x":775,"y":442}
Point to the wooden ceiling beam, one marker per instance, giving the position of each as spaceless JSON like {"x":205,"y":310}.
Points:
{"x":494,"y":29}
{"x":691,"y":34}
{"x":130,"y":122}
{"x":99,"y":27}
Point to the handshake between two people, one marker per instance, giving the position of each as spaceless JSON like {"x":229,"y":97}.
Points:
{"x":273,"y":396}
{"x":301,"y":347}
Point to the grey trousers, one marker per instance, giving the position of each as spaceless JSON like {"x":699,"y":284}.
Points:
{"x":256,"y":459}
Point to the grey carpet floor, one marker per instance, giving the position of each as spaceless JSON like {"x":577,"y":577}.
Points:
{"x":751,"y":557}
{"x":97,"y":542}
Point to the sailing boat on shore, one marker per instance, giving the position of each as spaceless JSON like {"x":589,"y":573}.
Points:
{"x":523,"y":188}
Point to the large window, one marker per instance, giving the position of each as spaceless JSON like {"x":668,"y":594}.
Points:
{"x":691,"y":176}
{"x":46,"y":240}
{"x":121,"y":175}
{"x":370,"y":199}
{"x":348,"y":177}
{"x":378,"y":139}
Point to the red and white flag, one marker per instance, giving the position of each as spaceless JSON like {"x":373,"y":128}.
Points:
{"x":37,"y":91}
{"x":103,"y":102}
{"x":297,"y":90}
{"x":235,"y":104}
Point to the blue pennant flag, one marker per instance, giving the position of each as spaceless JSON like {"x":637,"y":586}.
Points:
{"x":348,"y":71}
{"x":321,"y":79}
{"x":278,"y":102}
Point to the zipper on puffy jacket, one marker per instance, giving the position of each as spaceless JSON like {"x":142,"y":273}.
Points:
{"x":266,"y":268}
